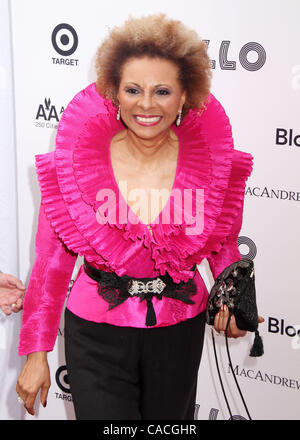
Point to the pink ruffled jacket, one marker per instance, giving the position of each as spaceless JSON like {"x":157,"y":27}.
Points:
{"x":70,"y":178}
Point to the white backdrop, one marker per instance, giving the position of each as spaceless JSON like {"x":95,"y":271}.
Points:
{"x":254,"y":47}
{"x":10,"y":363}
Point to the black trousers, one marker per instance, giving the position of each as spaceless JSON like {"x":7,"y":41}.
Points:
{"x":128,"y":373}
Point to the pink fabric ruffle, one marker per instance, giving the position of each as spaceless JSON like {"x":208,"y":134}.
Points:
{"x":80,"y":167}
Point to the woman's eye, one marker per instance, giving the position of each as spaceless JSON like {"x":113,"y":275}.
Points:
{"x":163,"y":92}
{"x":132,"y":91}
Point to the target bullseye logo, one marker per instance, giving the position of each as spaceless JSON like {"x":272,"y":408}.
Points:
{"x":64,"y":39}
{"x":62,"y":379}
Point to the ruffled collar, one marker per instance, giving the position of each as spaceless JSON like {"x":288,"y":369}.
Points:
{"x":83,"y":166}
{"x":92,"y":153}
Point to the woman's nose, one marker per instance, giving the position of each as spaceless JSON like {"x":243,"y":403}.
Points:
{"x":145,"y":101}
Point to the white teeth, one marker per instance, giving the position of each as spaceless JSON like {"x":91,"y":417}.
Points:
{"x":150,"y":120}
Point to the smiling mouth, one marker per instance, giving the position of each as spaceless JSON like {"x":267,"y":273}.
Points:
{"x":147,"y":120}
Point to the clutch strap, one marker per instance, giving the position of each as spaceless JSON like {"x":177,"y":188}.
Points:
{"x":231,"y":368}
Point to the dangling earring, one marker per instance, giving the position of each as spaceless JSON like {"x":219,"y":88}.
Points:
{"x":178,"y":120}
{"x":119,"y":113}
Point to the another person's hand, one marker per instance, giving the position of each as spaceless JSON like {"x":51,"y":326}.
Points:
{"x":220,"y":323}
{"x":34,"y":376}
{"x":12,"y":292}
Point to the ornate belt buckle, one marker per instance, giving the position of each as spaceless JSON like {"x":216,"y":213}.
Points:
{"x":152,"y":286}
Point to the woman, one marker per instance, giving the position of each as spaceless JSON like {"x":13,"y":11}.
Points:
{"x":135,"y":317}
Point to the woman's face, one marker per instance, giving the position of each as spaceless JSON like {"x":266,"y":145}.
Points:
{"x":150,"y":95}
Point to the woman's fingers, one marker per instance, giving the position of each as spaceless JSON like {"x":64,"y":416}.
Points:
{"x":28,"y":399}
{"x":221,"y":321}
{"x":29,"y":403}
{"x":22,"y":395}
{"x":217,"y":322}
{"x":44,"y":395}
{"x":233,"y":330}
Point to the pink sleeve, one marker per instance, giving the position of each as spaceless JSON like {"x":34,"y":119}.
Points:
{"x":46,"y":291}
{"x":229,"y":252}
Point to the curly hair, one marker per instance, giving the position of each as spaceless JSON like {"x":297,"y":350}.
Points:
{"x":155,"y":36}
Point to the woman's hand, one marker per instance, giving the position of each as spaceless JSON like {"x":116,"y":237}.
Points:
{"x":220,"y":323}
{"x":34,"y":376}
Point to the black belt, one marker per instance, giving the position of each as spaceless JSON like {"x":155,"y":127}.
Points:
{"x":115,"y":290}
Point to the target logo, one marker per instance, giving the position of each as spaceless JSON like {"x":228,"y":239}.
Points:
{"x":62,"y":380}
{"x":64,"y":39}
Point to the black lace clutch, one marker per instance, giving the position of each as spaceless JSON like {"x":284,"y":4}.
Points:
{"x":235,"y":287}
